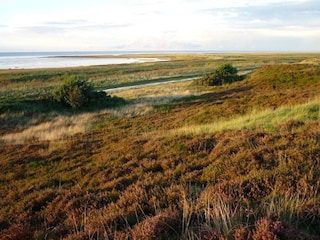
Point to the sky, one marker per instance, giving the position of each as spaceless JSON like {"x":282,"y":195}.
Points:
{"x":160,"y":25}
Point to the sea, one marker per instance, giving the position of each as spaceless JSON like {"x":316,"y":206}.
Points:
{"x":32,"y":60}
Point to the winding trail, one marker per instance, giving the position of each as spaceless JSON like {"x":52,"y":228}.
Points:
{"x":108,"y":90}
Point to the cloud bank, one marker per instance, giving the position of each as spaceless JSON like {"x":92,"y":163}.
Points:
{"x":267,"y":25}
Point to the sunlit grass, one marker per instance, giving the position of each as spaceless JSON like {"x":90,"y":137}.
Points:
{"x":162,"y":91}
{"x":56,"y":128}
{"x":267,"y":120}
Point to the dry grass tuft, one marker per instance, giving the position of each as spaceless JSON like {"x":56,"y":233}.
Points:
{"x":55,"y":129}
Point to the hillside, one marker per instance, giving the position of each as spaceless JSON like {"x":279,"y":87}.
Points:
{"x":238,"y":161}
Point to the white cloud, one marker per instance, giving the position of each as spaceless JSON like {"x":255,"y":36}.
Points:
{"x":163,"y":25}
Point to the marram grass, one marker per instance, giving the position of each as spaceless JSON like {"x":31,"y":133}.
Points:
{"x":268,"y":119}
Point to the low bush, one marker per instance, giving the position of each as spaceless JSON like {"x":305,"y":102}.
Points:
{"x":76,"y":92}
{"x":224,"y":74}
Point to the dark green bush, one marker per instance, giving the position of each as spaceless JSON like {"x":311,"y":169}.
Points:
{"x":74,"y":92}
{"x":222,"y":75}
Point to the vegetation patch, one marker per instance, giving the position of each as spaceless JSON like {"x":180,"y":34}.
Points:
{"x":268,"y":120}
{"x":222,"y":75}
{"x":178,"y":161}
{"x":76,"y":92}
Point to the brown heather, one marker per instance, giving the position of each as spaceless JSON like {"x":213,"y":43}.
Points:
{"x":148,"y":176}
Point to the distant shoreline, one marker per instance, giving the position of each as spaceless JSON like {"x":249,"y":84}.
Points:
{"x":38,"y":60}
{"x":95,"y":53}
{"x":67,"y":59}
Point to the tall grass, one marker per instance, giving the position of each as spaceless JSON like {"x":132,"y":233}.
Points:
{"x":286,"y":206}
{"x":210,"y":216}
{"x":267,"y":119}
{"x":57,"y":128}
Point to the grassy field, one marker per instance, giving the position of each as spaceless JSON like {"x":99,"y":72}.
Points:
{"x":176,"y":161}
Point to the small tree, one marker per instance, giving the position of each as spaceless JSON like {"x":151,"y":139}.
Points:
{"x":74,"y":92}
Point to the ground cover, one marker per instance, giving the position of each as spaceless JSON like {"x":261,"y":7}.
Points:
{"x":179,"y":161}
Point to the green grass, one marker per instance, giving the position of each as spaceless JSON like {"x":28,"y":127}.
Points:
{"x":267,"y":120}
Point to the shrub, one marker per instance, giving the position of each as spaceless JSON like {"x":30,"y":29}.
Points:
{"x":222,"y":75}
{"x":74,"y":92}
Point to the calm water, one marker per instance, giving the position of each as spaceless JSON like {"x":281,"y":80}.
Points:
{"x":29,"y":60}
